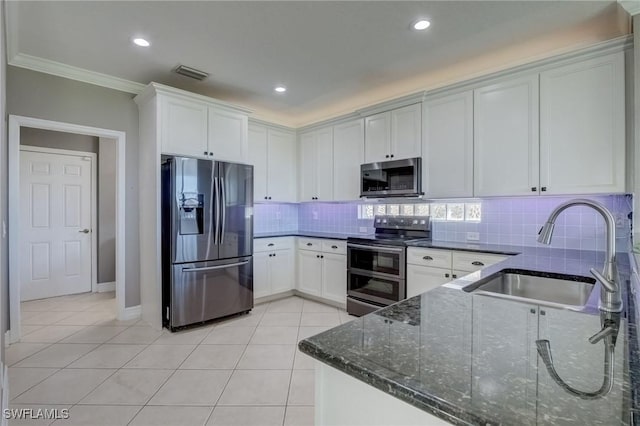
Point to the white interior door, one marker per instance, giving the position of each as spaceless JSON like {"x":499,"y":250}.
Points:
{"x":55,"y":230}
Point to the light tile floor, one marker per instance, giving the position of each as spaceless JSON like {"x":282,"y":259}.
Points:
{"x":245,"y":370}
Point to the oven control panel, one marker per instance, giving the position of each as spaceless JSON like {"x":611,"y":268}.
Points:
{"x":409,"y":223}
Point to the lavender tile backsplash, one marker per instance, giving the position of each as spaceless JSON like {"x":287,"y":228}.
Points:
{"x":513,"y":221}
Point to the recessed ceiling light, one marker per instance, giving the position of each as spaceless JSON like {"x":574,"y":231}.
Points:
{"x":141,"y":42}
{"x":421,"y":25}
{"x":280,"y":89}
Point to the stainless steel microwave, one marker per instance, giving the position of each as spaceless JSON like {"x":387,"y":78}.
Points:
{"x":396,"y":178}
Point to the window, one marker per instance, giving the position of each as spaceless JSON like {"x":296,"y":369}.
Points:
{"x":454,"y":212}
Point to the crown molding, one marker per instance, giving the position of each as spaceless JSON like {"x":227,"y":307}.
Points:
{"x":631,"y":6}
{"x":158,"y":88}
{"x":260,"y":122}
{"x":75,"y":73}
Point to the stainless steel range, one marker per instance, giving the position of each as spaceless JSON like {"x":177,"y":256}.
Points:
{"x":376,"y":265}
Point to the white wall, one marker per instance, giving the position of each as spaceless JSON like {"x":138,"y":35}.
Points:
{"x":34,"y":94}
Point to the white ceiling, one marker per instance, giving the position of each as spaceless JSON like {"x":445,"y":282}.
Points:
{"x":324,"y":52}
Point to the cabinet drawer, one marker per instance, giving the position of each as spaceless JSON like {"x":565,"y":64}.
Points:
{"x":334,"y":246}
{"x":429,"y":257}
{"x":309,"y":244}
{"x":270,"y":244}
{"x":470,"y":261}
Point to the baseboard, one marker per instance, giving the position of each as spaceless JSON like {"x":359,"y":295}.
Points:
{"x":106,"y":287}
{"x":318,"y":299}
{"x":132,"y":312}
{"x":273,"y":297}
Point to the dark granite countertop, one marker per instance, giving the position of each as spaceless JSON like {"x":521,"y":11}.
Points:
{"x":469,"y":358}
{"x":327,"y":235}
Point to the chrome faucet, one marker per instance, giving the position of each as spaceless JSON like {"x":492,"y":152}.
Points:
{"x":610,"y":295}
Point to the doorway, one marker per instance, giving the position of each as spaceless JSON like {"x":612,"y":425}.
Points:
{"x":17,"y":228}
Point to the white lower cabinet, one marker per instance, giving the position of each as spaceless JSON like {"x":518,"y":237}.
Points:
{"x":323,"y":272}
{"x":421,"y":279}
{"x":273,"y":266}
{"x":429,"y":268}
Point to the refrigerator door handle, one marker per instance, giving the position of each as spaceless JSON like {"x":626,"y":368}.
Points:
{"x":216,"y":236}
{"x":212,"y":268}
{"x":223,"y":207}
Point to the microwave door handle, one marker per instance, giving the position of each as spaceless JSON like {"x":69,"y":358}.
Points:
{"x":375,"y":248}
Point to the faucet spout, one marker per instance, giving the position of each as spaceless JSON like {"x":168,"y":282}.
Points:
{"x":610,"y":294}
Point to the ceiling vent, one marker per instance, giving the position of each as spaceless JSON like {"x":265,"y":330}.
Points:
{"x":191,"y":72}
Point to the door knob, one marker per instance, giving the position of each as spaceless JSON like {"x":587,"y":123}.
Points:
{"x":84,"y":231}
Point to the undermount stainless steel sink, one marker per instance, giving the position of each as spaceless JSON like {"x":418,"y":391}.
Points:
{"x":530,"y":286}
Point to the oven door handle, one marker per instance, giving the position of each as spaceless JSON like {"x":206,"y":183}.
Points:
{"x":375,"y":248}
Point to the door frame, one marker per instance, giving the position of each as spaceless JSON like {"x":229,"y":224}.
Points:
{"x":13,"y":157}
{"x":94,"y":200}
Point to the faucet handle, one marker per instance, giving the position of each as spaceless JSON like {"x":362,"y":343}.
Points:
{"x":608,"y":285}
{"x":606,"y":331}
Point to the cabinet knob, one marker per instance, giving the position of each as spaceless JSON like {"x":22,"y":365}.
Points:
{"x":334,"y":247}
{"x":477,"y":263}
{"x":321,"y":256}
{"x":446,"y":275}
{"x":211,"y":154}
{"x":453,"y":276}
{"x":206,"y":153}
{"x":391,"y":155}
{"x":534,"y":188}
{"x":270,"y":254}
{"x":309,"y":244}
{"x":427,"y":258}
{"x":270,"y":245}
{"x":269,"y":197}
{"x":386,"y":156}
{"x":317,"y":256}
{"x":265,"y":198}
{"x":543,"y":189}
{"x":274,"y":255}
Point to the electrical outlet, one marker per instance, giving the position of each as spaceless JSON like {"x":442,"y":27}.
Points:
{"x":473,"y":236}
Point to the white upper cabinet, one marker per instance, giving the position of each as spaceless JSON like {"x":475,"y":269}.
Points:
{"x":273,"y":155}
{"x":281,"y":166}
{"x":183,"y":126}
{"x":348,"y":155}
{"x":393,"y":135}
{"x":258,"y":151}
{"x":316,"y":165}
{"x":227,"y":135}
{"x":406,"y":132}
{"x":447,"y":150}
{"x":190,"y":125}
{"x":582,"y":127}
{"x":377,"y":138}
{"x":506,"y":143}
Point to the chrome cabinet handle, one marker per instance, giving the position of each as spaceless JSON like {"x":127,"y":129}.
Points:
{"x":477,"y":263}
{"x":84,"y":231}
{"x":427,"y":258}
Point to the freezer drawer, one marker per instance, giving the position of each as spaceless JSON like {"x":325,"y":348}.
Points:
{"x":203,"y":291}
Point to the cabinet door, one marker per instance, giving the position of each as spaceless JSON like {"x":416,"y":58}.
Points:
{"x":183,"y":128}
{"x":348,"y":155}
{"x":281,"y":166}
{"x":281,"y":271}
{"x":504,"y":373}
{"x":422,"y":278}
{"x":227,"y":135}
{"x":506,"y":138}
{"x":582,"y":127}
{"x":308,"y":166}
{"x":310,"y":272}
{"x":447,"y":151}
{"x":406,"y":132}
{"x":324,"y":165}
{"x":258,"y":157}
{"x":377,"y":137}
{"x":261,"y":285}
{"x":334,"y":277}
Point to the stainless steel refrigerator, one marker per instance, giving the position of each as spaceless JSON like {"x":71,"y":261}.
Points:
{"x":207,"y":240}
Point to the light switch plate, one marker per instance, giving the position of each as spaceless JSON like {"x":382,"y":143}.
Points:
{"x":473,"y":236}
